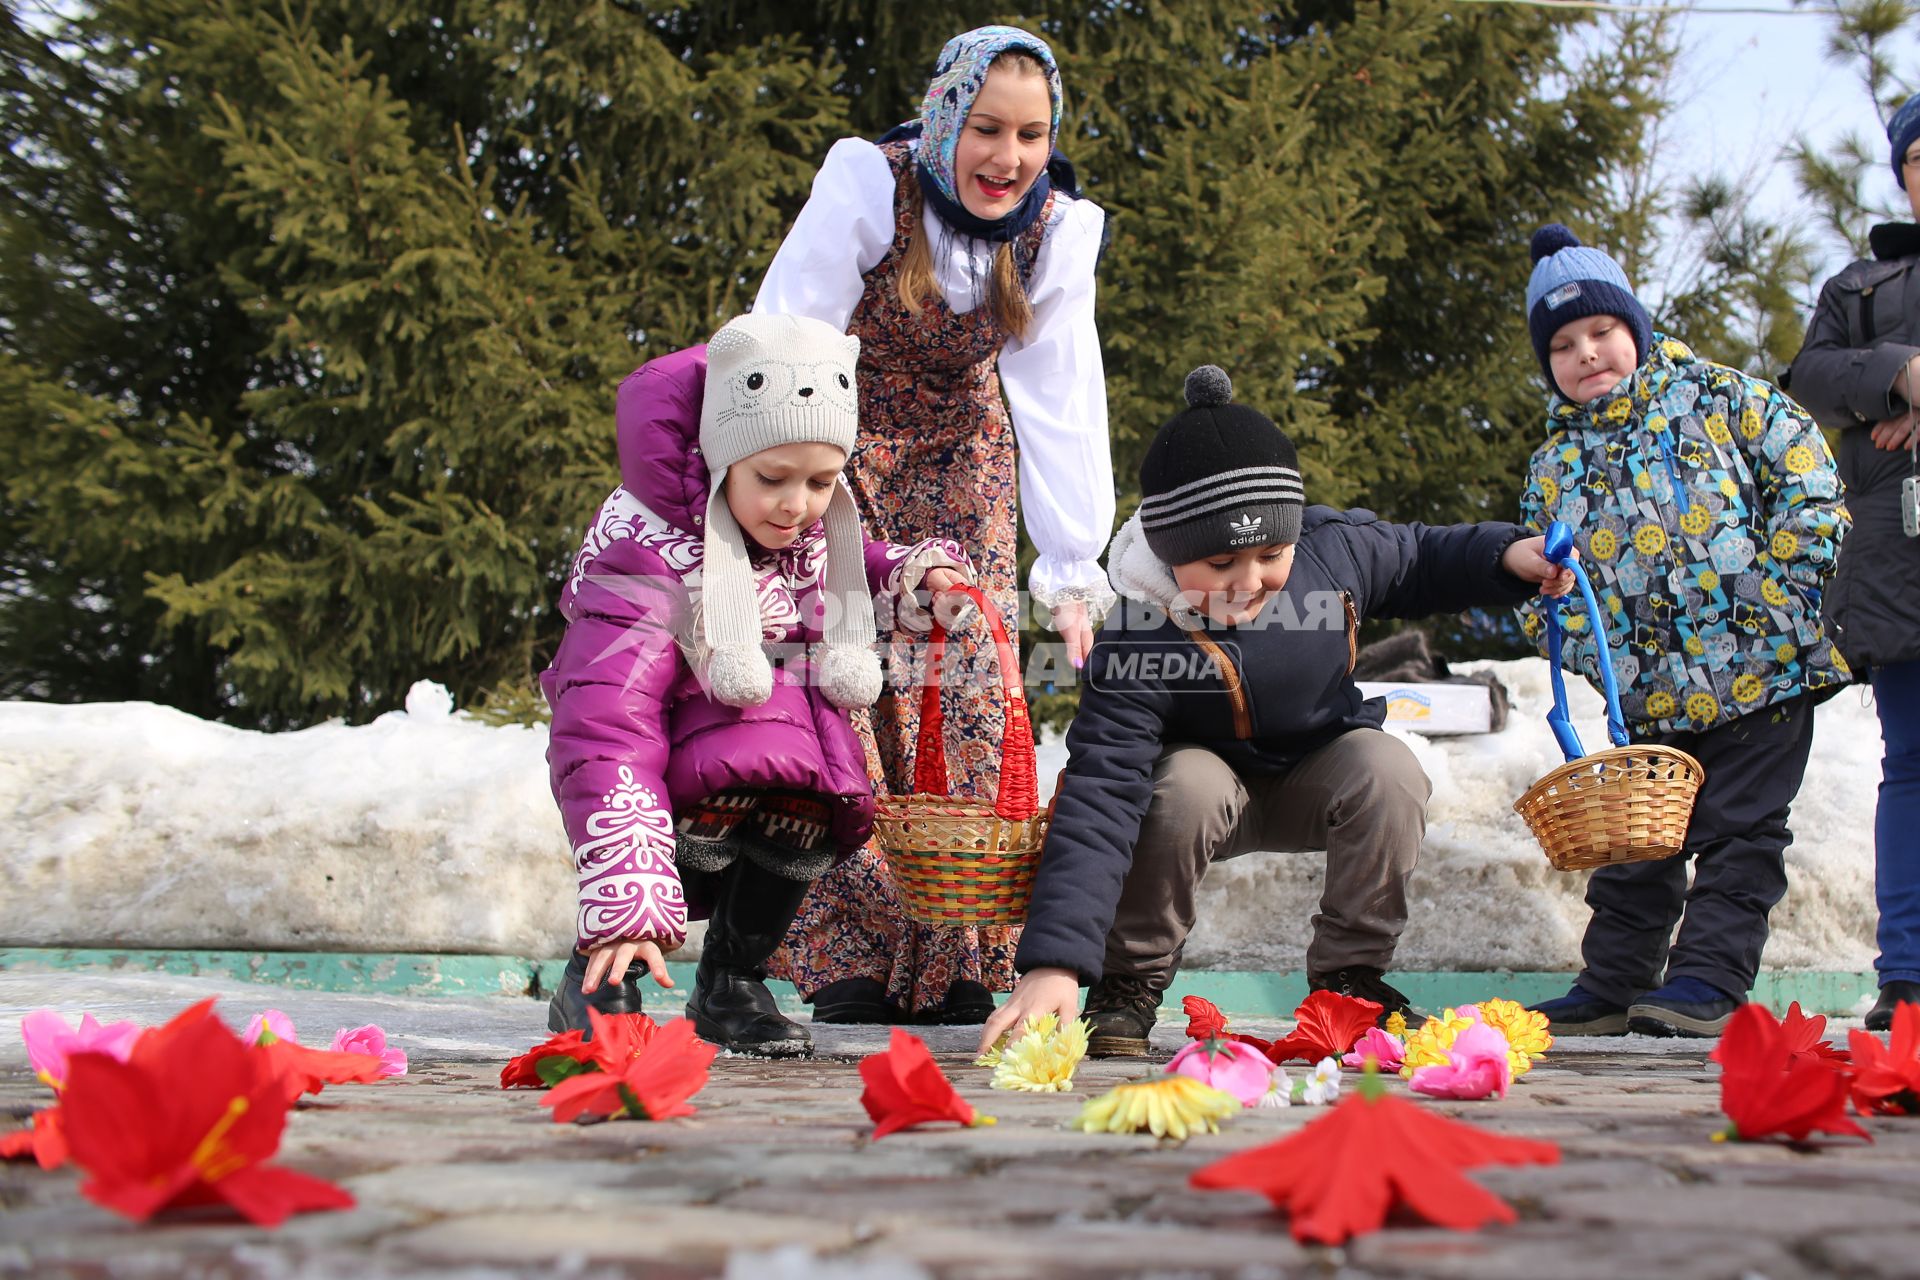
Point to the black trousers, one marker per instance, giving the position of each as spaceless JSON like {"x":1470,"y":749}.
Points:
{"x":1737,"y":843}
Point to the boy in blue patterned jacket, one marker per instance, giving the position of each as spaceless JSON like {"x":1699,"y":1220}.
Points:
{"x":1708,"y":511}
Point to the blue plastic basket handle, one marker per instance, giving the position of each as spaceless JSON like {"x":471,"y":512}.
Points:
{"x":1559,"y":549}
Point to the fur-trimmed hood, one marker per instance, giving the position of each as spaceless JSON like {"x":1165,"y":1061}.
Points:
{"x":1138,"y":574}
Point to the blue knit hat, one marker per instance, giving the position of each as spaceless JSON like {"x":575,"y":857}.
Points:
{"x":1902,"y":131}
{"x":1571,"y":282}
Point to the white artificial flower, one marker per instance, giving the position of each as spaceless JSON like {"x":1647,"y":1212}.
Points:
{"x":1323,"y":1085}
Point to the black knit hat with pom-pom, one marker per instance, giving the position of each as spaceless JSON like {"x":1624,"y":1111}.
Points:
{"x":1218,"y":477}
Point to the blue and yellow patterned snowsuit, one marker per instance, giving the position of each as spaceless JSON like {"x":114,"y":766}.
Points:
{"x":1708,"y":511}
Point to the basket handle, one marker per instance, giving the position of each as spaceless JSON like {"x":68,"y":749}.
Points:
{"x":1019,"y":797}
{"x":1559,"y":549}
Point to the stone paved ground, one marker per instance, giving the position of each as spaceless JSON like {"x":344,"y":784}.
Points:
{"x":776,"y":1177}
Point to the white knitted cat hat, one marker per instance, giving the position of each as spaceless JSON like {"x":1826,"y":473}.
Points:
{"x":774,"y":380}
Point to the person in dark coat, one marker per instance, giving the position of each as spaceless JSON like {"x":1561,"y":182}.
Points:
{"x":1219,"y":717}
{"x":1856,"y":373}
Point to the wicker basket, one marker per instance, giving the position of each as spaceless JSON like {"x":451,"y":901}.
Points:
{"x":956,"y":861}
{"x":1623,"y":803}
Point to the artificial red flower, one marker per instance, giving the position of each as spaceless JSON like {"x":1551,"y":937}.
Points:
{"x":43,"y":1141}
{"x":526,"y":1072}
{"x":1340,"y":1176}
{"x":1769,"y":1090}
{"x":302,"y":1070}
{"x":1326,"y":1025}
{"x":188,"y":1119}
{"x":1206,"y":1022}
{"x":1804,"y":1036}
{"x":1886,"y":1079}
{"x":652,"y":1083}
{"x":905,"y":1087}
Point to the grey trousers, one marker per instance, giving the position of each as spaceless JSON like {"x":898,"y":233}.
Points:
{"x":1362,"y":798}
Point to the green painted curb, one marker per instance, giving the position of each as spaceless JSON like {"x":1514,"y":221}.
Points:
{"x":1245,"y":994}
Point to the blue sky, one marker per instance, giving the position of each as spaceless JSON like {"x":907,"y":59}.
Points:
{"x":1749,"y":84}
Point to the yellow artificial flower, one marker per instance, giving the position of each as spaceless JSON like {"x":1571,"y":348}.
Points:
{"x":1042,"y":1057}
{"x":1526,"y":1031}
{"x":1170,"y":1106}
{"x":1428,"y":1046}
{"x":1396,"y":1025}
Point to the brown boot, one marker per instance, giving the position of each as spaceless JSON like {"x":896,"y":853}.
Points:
{"x":1120,"y":1012}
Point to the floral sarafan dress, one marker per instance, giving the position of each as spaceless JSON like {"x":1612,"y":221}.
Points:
{"x":937,"y":455}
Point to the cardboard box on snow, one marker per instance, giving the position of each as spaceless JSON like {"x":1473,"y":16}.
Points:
{"x":1433,"y":708}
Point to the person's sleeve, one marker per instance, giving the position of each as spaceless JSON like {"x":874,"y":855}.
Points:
{"x":607,"y":753}
{"x":841,"y":234}
{"x":1412,"y":570}
{"x":1840,"y":384}
{"x":1799,"y":484}
{"x":1112,"y":748}
{"x":1057,"y":395}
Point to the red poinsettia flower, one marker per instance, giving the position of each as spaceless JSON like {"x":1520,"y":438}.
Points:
{"x":1341,"y":1175}
{"x":905,"y":1087}
{"x":188,"y":1119}
{"x":652,"y":1083}
{"x":44,"y":1141}
{"x":1206,"y":1022}
{"x":1886,"y":1078}
{"x":301,"y":1070}
{"x":1326,"y":1025}
{"x":1769,"y":1090}
{"x":1805,"y":1037}
{"x":570,"y":1048}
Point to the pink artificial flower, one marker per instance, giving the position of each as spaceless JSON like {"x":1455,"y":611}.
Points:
{"x":1476,"y":1067}
{"x":1228,"y":1065}
{"x":371,"y":1040}
{"x":50,"y":1042}
{"x":1385,"y":1049}
{"x":274,"y":1021}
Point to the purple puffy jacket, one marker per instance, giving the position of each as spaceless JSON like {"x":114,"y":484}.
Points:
{"x":634,"y":736}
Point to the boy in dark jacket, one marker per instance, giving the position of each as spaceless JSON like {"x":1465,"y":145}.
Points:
{"x":1219,"y":717}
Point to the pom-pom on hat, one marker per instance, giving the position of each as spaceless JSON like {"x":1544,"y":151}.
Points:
{"x":1218,"y":477}
{"x":774,"y":380}
{"x":1903,"y":131}
{"x":1570,"y":282}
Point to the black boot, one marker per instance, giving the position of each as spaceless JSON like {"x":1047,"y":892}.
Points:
{"x":730,"y":1004}
{"x":567,"y":1011}
{"x":1897,"y":992}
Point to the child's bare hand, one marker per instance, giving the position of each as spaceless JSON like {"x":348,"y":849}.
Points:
{"x":1038,"y":992}
{"x":610,"y":960}
{"x":942,"y":580}
{"x":1527,"y":561}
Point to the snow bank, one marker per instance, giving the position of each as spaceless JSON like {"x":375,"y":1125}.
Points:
{"x":131,"y":825}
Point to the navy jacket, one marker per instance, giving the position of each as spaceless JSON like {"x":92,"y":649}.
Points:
{"x":1262,"y":695}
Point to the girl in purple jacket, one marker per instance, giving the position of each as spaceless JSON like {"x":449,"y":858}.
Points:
{"x":720,"y":630}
